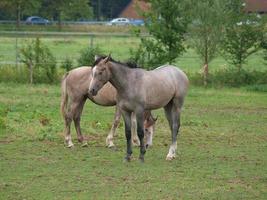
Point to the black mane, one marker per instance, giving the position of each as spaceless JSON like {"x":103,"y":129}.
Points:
{"x":129,"y":63}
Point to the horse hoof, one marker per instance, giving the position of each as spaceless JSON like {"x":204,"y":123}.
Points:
{"x":84,"y":144}
{"x":111,"y":145}
{"x":70,"y":145}
{"x":170,"y":158}
{"x":127,"y":159}
{"x":142,"y":160}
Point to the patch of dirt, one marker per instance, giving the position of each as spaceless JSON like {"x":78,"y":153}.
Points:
{"x":6,"y":141}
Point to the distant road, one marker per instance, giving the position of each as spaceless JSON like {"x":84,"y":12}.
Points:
{"x":53,"y":33}
{"x":63,"y":22}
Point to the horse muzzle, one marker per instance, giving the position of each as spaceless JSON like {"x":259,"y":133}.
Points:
{"x":93,"y":92}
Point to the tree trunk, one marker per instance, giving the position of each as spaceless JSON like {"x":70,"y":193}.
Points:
{"x":206,"y":64}
{"x":18,"y":15}
{"x":206,"y":73}
{"x":59,"y":22}
{"x":31,"y":72}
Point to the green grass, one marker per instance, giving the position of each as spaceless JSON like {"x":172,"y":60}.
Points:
{"x":221,"y":150}
{"x":69,"y":28}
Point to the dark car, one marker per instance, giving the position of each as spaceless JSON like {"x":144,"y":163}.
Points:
{"x":37,"y":20}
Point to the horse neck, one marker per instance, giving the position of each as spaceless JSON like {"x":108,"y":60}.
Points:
{"x":119,"y":74}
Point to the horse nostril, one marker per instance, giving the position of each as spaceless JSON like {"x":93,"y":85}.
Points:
{"x":92,"y":91}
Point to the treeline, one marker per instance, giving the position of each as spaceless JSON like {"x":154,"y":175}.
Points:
{"x":58,"y":10}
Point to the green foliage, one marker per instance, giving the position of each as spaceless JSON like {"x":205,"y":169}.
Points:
{"x":166,"y":22}
{"x":3,"y":115}
{"x":231,"y":77}
{"x":140,"y":56}
{"x":12,"y":74}
{"x":77,"y":10}
{"x":206,"y":29}
{"x":67,"y":9}
{"x":87,"y":55}
{"x":39,"y":60}
{"x":257,"y":88}
{"x":264,"y":47}
{"x":240,"y":42}
{"x":67,"y":64}
{"x":16,"y":9}
{"x":243,"y":34}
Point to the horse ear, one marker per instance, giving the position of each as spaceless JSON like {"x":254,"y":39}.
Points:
{"x":97,"y":57}
{"x":107,"y":58}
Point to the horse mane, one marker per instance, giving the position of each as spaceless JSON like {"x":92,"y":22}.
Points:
{"x":129,"y":63}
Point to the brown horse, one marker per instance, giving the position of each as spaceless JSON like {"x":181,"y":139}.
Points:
{"x":74,"y":90}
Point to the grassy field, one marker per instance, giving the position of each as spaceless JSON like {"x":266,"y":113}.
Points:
{"x":70,"y":46}
{"x":98,"y":28}
{"x":222,"y":150}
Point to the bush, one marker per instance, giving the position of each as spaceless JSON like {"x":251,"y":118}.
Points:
{"x":40,"y":62}
{"x":67,"y":64}
{"x":257,"y":87}
{"x":87,"y":56}
{"x":3,"y":114}
{"x":10,"y":73}
{"x":231,"y":77}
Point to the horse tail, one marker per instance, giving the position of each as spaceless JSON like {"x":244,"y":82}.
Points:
{"x":64,"y":96}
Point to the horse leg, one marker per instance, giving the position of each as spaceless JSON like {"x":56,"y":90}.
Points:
{"x":140,"y":132}
{"x":149,"y":136}
{"x":68,"y":120}
{"x":127,"y":125}
{"x":172,"y":112}
{"x":117,"y":117}
{"x":77,"y":111}
{"x":135,"y":139}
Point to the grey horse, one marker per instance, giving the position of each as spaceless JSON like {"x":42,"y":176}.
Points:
{"x":74,"y":93}
{"x":140,"y":90}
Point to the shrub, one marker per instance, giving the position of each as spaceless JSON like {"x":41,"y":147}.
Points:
{"x":67,"y":64}
{"x":40,"y":61}
{"x":231,"y":77}
{"x":3,"y":114}
{"x":87,"y":56}
{"x":11,"y":73}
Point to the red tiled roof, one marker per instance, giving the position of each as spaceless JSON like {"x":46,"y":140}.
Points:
{"x":256,"y":6}
{"x":133,"y":8}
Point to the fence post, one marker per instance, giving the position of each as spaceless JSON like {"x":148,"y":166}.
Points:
{"x":16,"y":51}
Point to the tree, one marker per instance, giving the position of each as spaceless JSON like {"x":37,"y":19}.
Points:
{"x":67,"y":9}
{"x":166,"y":23}
{"x":20,"y":8}
{"x":206,"y":30}
{"x":77,"y":9}
{"x":243,"y":33}
{"x":87,"y":55}
{"x":39,"y":60}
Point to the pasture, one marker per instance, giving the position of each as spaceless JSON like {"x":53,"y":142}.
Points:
{"x":222,"y":149}
{"x":70,"y":46}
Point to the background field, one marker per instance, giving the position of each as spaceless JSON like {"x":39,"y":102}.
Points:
{"x":119,"y":46}
{"x":221,"y":150}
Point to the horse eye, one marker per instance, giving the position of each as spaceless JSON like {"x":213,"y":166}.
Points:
{"x":146,"y":129}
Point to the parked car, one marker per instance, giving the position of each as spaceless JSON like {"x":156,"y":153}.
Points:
{"x":137,"y":22}
{"x":37,"y":20}
{"x":119,"y":22}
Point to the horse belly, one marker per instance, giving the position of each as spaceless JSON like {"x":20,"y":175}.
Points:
{"x":106,"y":96}
{"x":158,"y":100}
